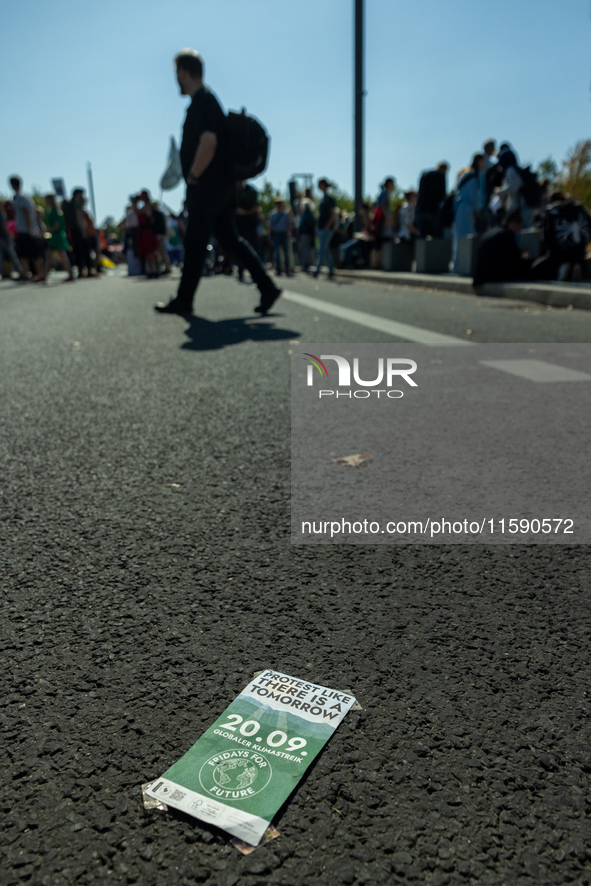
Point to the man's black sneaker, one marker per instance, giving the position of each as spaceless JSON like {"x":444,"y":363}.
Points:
{"x":268,"y":300}
{"x":172,"y":307}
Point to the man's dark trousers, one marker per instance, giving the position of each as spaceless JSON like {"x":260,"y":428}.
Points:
{"x":247,"y":227}
{"x":212,"y":214}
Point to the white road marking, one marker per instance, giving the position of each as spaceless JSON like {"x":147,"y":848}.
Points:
{"x":371,"y":321}
{"x":537,"y":370}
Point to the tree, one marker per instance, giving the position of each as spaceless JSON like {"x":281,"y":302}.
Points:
{"x":267,"y":196}
{"x":575,"y":177}
{"x":548,"y":169}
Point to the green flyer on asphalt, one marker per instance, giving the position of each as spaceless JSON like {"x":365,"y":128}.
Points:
{"x":244,"y":767}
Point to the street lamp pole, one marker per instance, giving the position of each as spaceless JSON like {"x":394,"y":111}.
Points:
{"x":91,"y":190}
{"x":358,"y":113}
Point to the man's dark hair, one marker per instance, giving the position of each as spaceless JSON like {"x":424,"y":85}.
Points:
{"x":190,"y":60}
{"x":15,"y":178}
{"x":514,"y":217}
{"x":77,"y":191}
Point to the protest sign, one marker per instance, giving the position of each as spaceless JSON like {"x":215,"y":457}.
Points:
{"x":244,"y":767}
{"x":59,"y":187}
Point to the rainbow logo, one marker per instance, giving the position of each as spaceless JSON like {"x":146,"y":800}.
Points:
{"x":317,"y":362}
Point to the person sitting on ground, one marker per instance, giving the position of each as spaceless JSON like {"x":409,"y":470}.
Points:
{"x":567,"y":233}
{"x":499,"y":257}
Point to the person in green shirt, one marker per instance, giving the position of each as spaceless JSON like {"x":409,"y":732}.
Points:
{"x":58,"y":239}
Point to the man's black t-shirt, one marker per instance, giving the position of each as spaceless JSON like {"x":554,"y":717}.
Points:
{"x":204,"y":114}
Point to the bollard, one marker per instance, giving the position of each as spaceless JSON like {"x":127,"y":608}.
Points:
{"x":433,"y":256}
{"x":530,"y":241}
{"x":467,"y":253}
{"x":398,"y":256}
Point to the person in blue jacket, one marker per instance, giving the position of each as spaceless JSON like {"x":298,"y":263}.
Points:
{"x":468,"y":201}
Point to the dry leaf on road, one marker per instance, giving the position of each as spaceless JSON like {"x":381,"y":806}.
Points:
{"x":354,"y":460}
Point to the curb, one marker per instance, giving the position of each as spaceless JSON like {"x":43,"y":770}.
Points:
{"x":554,"y":295}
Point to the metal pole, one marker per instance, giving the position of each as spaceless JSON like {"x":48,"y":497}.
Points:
{"x":91,"y":191}
{"x":358,"y":113}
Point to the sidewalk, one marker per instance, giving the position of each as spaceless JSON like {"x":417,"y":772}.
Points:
{"x":555,"y":294}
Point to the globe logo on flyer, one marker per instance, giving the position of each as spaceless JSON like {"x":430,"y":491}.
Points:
{"x":235,"y":775}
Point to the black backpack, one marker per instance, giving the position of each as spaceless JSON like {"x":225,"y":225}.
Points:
{"x":307,"y":221}
{"x":531,"y":189}
{"x":249,"y":145}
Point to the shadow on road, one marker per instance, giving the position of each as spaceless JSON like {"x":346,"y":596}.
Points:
{"x":210,"y":335}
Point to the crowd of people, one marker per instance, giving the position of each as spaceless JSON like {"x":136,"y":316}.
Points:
{"x":35,"y":237}
{"x":493,"y":199}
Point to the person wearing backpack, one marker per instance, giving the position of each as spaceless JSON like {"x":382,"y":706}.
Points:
{"x":209,"y":171}
{"x":467,"y":204}
{"x":500,"y":259}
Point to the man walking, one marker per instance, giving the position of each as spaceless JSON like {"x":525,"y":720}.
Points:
{"x":208,"y":170}
{"x":326,"y":226}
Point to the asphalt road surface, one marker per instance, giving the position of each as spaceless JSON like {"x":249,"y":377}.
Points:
{"x":148,"y":574}
{"x":489,"y":441}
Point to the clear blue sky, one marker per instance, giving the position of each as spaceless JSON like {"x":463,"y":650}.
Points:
{"x":86,"y":81}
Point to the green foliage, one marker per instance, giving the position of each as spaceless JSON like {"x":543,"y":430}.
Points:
{"x":267,"y":195}
{"x":548,"y":168}
{"x":575,"y":177}
{"x":343,"y":200}
{"x":38,"y":198}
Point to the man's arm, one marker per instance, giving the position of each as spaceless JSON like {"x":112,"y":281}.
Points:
{"x":205,"y":153}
